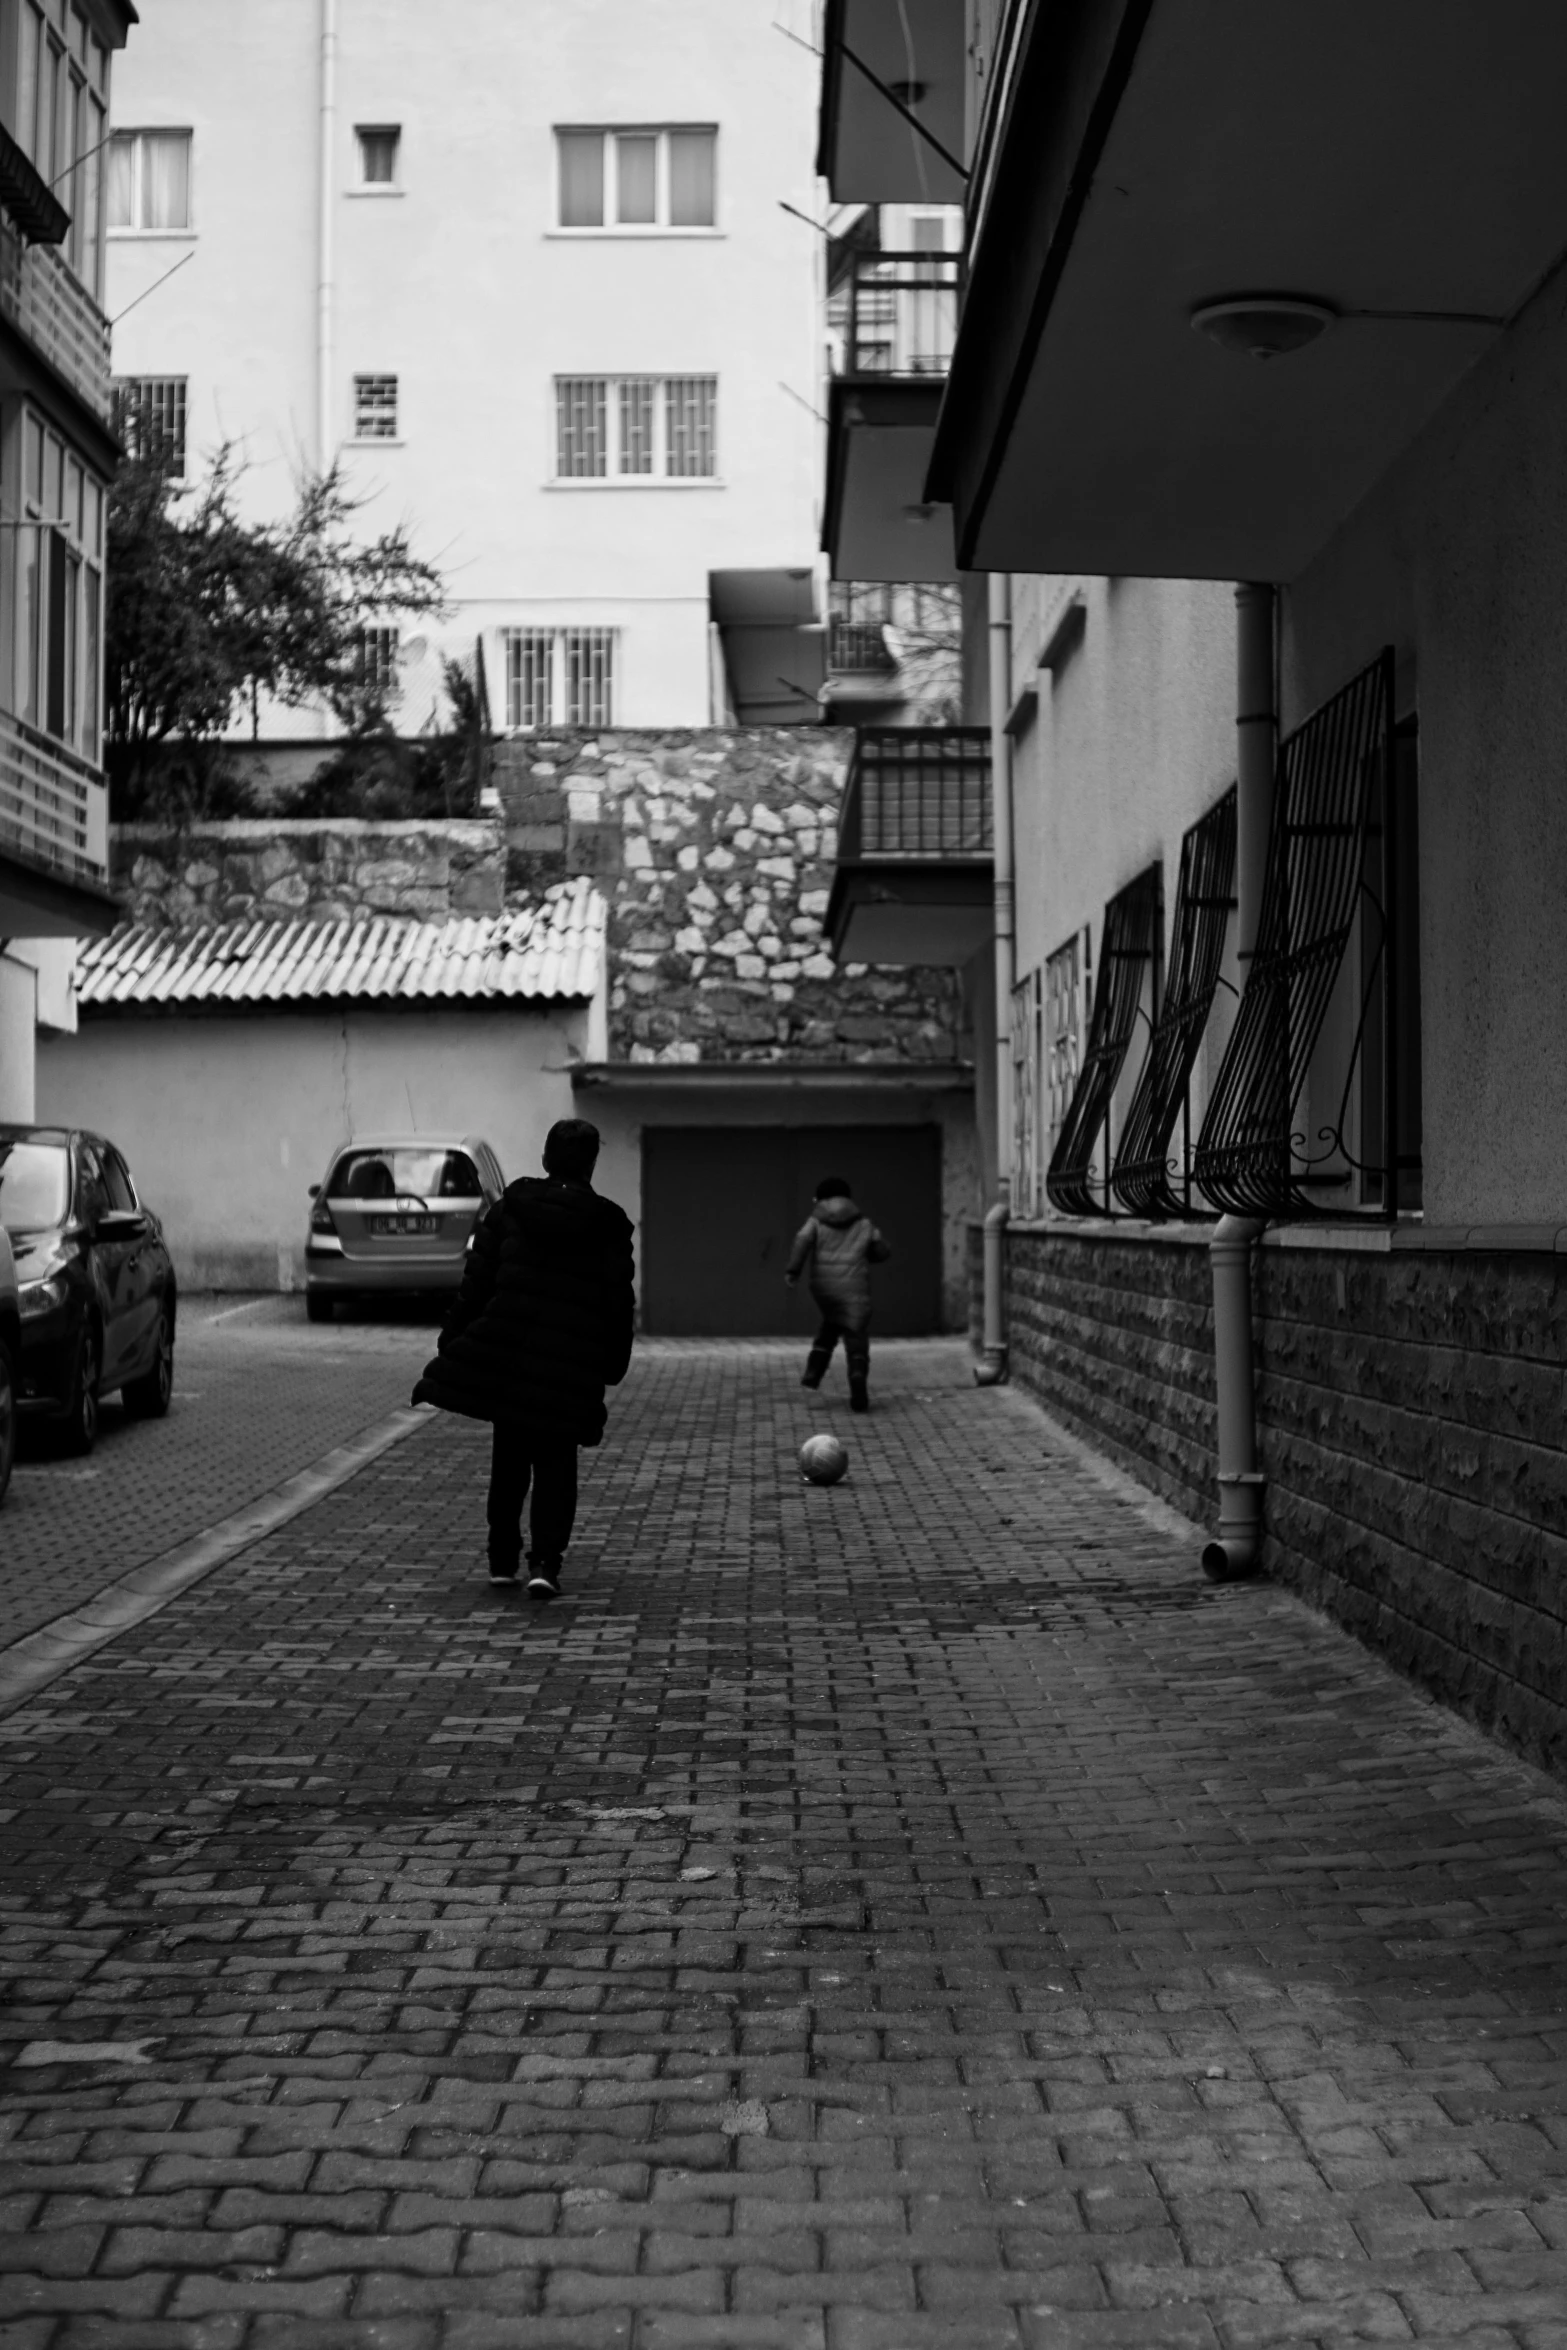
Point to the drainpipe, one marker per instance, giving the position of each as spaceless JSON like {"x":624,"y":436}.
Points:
{"x":1238,"y":1545}
{"x":991,"y":1369}
{"x":325,"y":361}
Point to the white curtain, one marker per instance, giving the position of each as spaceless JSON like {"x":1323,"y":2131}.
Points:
{"x":165,"y":179}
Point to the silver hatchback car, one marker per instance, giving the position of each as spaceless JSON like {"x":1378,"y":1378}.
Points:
{"x":394,"y":1216}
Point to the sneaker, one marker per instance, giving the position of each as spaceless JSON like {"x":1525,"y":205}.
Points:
{"x":505,"y":1576}
{"x":543,"y":1582}
{"x":811,"y":1379}
{"x":859,"y":1401}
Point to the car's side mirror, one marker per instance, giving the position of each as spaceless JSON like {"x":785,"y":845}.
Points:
{"x":315,"y":1191}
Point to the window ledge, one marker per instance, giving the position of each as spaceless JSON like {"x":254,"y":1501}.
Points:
{"x":153,"y":236}
{"x":376,"y":441}
{"x":622,"y":234}
{"x":641,"y":481}
{"x":377,"y":190}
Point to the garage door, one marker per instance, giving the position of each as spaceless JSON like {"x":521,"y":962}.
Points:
{"x":720,"y":1206}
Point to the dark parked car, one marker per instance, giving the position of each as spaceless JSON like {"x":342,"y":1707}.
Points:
{"x":395,"y":1215}
{"x":10,"y":1354}
{"x":95,"y":1281}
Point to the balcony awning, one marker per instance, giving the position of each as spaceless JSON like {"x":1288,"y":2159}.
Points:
{"x":775,"y":647}
{"x":1401,"y":163}
{"x":914,"y":880}
{"x":867,"y":151}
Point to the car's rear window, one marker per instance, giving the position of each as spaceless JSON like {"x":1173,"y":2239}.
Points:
{"x":403,"y":1174}
{"x":35,"y":1184}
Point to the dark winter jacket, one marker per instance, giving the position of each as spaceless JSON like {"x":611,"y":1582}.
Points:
{"x":839,"y":1245}
{"x":543,"y":1321}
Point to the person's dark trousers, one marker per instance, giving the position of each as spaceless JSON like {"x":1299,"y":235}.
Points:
{"x":518,"y":1458}
{"x":856,"y":1349}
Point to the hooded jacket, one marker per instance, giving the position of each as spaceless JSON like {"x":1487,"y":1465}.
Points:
{"x":839,"y":1244}
{"x":543,"y":1321}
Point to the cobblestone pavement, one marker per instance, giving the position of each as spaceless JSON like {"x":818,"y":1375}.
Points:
{"x":258,"y":1395}
{"x":914,"y":1912}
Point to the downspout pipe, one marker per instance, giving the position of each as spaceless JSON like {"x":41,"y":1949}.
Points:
{"x":991,"y":1368}
{"x":1237,"y":1547}
{"x":325,"y":286}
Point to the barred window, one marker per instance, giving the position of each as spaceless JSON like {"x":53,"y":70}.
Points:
{"x":581,"y":427}
{"x":559,"y":677}
{"x":149,"y":411}
{"x":375,"y":407}
{"x":1066,"y":979}
{"x":650,"y":428}
{"x":375,"y":661}
{"x":690,"y":402}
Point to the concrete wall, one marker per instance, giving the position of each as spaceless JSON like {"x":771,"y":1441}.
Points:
{"x":1459,"y":560}
{"x":1411,"y":1429}
{"x":18,"y":1022}
{"x":477,"y":92}
{"x":227,"y":1122}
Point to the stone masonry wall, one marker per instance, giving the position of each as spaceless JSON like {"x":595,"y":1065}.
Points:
{"x":1410,"y":1411}
{"x":713,"y":849}
{"x":716,"y":852}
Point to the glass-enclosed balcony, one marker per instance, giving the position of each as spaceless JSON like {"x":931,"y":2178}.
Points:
{"x":893,"y":320}
{"x":914,"y":875}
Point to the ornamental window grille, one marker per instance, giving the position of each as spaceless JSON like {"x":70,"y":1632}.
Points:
{"x":375,"y":407}
{"x":1128,"y":971}
{"x":149,"y":411}
{"x":1145,"y":1177}
{"x":1065,"y":994}
{"x":375,"y":662}
{"x":1267,"y":1147}
{"x":636,"y":427}
{"x":1029,"y":1095}
{"x":559,"y":677}
{"x":918,"y":792}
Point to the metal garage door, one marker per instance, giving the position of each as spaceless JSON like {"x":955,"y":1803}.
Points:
{"x":721,"y":1204}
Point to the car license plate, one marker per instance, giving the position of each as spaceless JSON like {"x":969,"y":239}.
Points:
{"x":383,"y":1226}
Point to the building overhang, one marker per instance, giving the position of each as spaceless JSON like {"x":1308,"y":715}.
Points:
{"x":775,"y":647}
{"x":38,"y":903}
{"x":720,"y":1081}
{"x":896,"y":913}
{"x":1401,"y":165}
{"x":867,"y":151}
{"x":877,"y":523}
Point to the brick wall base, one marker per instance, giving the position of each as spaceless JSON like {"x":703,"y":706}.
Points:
{"x":1413,"y":1437}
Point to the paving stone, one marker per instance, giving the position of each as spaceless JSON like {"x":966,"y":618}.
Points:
{"x":920,"y":1911}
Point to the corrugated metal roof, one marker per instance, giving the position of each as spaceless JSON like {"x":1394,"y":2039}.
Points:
{"x":548,"y":952}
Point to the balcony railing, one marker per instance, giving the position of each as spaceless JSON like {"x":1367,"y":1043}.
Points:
{"x":917,"y":794}
{"x":900,"y":313}
{"x":54,"y":807}
{"x":44,"y":302}
{"x":857,"y":647}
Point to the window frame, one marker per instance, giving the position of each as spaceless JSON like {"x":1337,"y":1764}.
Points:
{"x":137,"y":134}
{"x":363,"y":377}
{"x":615,"y":475}
{"x":360,"y":184}
{"x":592,"y":636}
{"x":52,"y":575}
{"x":611,"y":225}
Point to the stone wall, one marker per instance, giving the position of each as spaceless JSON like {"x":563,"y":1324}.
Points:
{"x":713,"y":849}
{"x":716,"y":852}
{"x":1410,"y":1409}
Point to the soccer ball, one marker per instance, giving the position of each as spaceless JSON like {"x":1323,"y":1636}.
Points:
{"x":823,"y":1460}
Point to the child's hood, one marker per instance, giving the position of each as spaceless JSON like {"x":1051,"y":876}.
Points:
{"x":835,"y":1211}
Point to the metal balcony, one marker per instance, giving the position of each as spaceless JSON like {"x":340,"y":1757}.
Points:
{"x":54,"y":838}
{"x":900,"y":313}
{"x":895,"y":320}
{"x":914,"y":876}
{"x":57,"y":316}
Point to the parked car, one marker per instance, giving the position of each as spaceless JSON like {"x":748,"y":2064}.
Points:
{"x":96,"y":1288}
{"x":394,"y":1215}
{"x":10,"y":1355}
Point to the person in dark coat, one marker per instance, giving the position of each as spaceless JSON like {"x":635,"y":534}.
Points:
{"x":839,"y":1244}
{"x":541,"y":1326}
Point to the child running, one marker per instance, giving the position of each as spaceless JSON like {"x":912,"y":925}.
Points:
{"x":840,"y":1245}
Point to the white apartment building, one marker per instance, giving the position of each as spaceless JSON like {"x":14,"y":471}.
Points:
{"x":525,"y":267}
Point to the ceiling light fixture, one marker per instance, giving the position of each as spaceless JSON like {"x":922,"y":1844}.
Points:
{"x":1264,"y":326}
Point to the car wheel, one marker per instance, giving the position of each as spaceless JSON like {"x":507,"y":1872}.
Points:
{"x":318,"y":1308}
{"x":147,"y":1398}
{"x":7,"y":1418}
{"x":80,"y":1430}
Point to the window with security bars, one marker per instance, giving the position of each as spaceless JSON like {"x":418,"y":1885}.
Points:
{"x":375,"y":407}
{"x":1066,"y":987}
{"x":149,"y":411}
{"x":648,"y":178}
{"x":375,"y":661}
{"x":636,"y":427}
{"x":1030,"y":1151}
{"x":559,"y":677}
